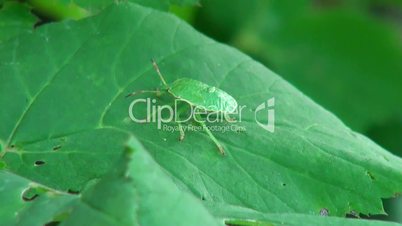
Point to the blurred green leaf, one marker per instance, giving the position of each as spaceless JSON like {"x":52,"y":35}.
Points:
{"x":58,"y":9}
{"x":388,"y":134}
{"x":78,"y":9}
{"x":346,"y":59}
{"x":96,"y":5}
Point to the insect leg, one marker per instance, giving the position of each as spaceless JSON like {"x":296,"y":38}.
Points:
{"x":213,"y":138}
{"x":181,"y":131}
{"x":159,"y":73}
{"x":157,"y":92}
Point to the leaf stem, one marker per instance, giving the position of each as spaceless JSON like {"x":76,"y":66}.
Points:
{"x":57,"y":10}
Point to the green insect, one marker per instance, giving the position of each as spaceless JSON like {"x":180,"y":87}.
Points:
{"x":199,"y":95}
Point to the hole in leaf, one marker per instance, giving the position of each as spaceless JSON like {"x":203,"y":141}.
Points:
{"x":202,"y":198}
{"x":73,"y":192}
{"x":283,"y":184}
{"x":57,"y":147}
{"x":39,"y":162}
{"x":29,"y":194}
{"x":324,"y":212}
{"x":370,"y":175}
{"x":52,"y":223}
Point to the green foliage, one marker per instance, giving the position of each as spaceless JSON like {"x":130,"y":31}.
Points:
{"x":125,"y":197}
{"x":122,"y":197}
{"x":95,"y":6}
{"x":65,"y":128}
{"x":66,"y":9}
{"x":58,"y":9}
{"x":345,"y":58}
{"x":15,"y":18}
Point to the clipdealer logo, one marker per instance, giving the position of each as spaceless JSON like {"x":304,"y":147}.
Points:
{"x":164,"y":114}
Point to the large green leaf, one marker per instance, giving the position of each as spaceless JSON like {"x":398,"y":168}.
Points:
{"x":122,"y":197}
{"x":65,"y":111}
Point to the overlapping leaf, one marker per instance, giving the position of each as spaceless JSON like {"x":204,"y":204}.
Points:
{"x":122,"y":197}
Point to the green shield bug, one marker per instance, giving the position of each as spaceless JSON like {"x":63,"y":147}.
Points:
{"x":199,"y":95}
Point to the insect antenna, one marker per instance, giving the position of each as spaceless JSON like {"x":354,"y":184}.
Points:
{"x":159,"y":73}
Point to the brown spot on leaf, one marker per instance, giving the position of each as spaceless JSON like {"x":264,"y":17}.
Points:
{"x":73,"y":192}
{"x":370,"y":175}
{"x":39,"y":162}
